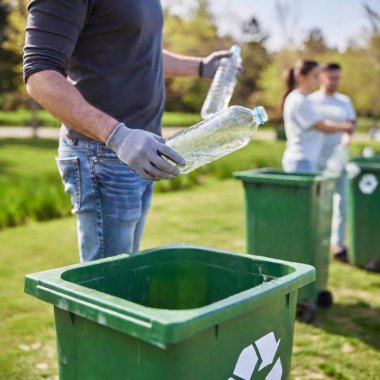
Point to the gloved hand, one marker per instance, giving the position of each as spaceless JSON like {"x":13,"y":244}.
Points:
{"x":209,"y":65}
{"x":142,"y":151}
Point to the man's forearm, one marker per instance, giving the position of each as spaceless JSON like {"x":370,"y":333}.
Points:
{"x":330,"y":126}
{"x":176,"y":65}
{"x":53,"y":92}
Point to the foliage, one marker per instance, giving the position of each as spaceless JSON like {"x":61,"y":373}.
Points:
{"x":314,"y":43}
{"x":31,"y":189}
{"x":197,"y":35}
{"x":23,"y":117}
{"x":255,"y":58}
{"x":194,"y":35}
{"x":9,"y":77}
{"x":359,"y":80}
{"x":361,"y":67}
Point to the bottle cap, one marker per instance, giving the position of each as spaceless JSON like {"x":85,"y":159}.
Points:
{"x":260,"y":115}
{"x":236,"y":49}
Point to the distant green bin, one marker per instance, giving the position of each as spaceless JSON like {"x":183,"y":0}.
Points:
{"x":364,"y":214}
{"x":174,"y":313}
{"x":288,"y":217}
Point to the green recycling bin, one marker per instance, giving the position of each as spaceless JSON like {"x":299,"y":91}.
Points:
{"x":288,"y":217}
{"x":174,"y":313}
{"x":364,"y":213}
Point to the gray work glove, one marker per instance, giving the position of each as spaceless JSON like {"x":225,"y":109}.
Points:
{"x":209,"y":65}
{"x":143,"y":152}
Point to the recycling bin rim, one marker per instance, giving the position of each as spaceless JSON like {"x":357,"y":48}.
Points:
{"x":375,"y":158}
{"x":278,"y":177}
{"x":159,"y":326}
{"x":372,"y":163}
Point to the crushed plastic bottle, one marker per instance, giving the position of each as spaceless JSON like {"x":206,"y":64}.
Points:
{"x":223,"y":85}
{"x":211,"y":139}
{"x":337,"y":162}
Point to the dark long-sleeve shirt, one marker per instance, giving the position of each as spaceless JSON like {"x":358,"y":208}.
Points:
{"x":110,"y":50}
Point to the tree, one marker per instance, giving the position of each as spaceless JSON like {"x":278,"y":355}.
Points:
{"x":373,"y":53}
{"x":9,"y":78}
{"x":194,"y":35}
{"x":287,"y":16}
{"x":255,"y":58}
{"x":271,"y":88}
{"x":14,"y":44}
{"x":315,"y":43}
{"x":15,"y":30}
{"x":197,"y":34}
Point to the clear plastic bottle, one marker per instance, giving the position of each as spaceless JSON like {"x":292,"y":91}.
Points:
{"x":223,"y":85}
{"x":211,"y":139}
{"x":337,"y":162}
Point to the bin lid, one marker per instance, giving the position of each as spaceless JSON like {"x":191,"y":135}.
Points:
{"x":279,"y":177}
{"x":369,"y":163}
{"x":165,"y":295}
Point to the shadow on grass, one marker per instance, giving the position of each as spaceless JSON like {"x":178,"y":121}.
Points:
{"x":32,"y":142}
{"x":358,"y":320}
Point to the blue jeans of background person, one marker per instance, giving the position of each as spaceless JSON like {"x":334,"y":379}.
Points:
{"x":297,"y":166}
{"x":110,"y":201}
{"x":339,"y":212}
{"x":339,"y":220}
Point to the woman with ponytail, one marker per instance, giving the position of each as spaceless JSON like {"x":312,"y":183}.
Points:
{"x":303,"y":126}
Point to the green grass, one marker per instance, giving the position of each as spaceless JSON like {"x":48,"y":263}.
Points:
{"x":31,"y":189}
{"x":365,"y":123}
{"x":342,"y":344}
{"x":180,"y":119}
{"x":23,"y":117}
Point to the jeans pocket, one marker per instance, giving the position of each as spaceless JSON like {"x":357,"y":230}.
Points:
{"x":69,"y":170}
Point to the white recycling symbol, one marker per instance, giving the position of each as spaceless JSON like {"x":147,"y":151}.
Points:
{"x":368,"y":184}
{"x":265,"y":349}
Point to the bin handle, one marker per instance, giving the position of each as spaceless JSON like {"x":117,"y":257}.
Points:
{"x":49,"y":292}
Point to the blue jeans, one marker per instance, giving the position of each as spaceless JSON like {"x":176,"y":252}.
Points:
{"x":339,"y":219}
{"x":110,"y":201}
{"x":339,"y":212}
{"x":296,"y":166}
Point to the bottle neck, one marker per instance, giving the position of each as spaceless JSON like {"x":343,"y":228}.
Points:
{"x":260,"y":115}
{"x":236,"y":52}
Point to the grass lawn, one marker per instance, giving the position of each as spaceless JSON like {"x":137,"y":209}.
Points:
{"x":344,"y":343}
{"x":23,"y":117}
{"x":31,"y":189}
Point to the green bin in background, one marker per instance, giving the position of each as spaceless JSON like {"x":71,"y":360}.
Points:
{"x":364,"y":213}
{"x":174,"y":313}
{"x":288,"y":217}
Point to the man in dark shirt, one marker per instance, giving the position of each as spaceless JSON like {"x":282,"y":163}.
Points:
{"x":98,"y":66}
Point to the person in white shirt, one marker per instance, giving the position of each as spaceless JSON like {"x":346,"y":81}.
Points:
{"x":304,"y":127}
{"x":330,"y":104}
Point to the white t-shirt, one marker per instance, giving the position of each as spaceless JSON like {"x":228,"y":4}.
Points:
{"x":336,"y":107}
{"x":303,"y":141}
